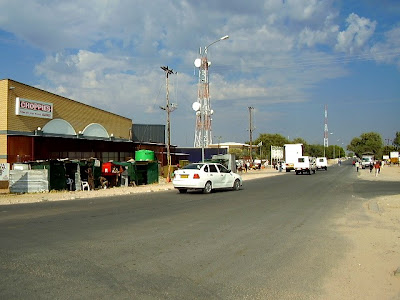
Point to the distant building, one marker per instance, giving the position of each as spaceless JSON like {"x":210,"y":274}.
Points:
{"x":230,"y":145}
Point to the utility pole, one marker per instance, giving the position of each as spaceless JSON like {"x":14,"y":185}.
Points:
{"x":168,"y":108}
{"x":326,"y":128}
{"x":251,"y":135}
{"x":219,"y":141}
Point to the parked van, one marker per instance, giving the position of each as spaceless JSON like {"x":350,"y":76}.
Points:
{"x":305,"y":164}
{"x":367,"y":160}
{"x":322,"y":163}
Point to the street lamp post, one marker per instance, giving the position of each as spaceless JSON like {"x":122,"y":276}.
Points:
{"x":334,"y":152}
{"x":203,"y":134}
{"x":334,"y":148}
{"x":251,"y":135}
{"x":327,"y":143}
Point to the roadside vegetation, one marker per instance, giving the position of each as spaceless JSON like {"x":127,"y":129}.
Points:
{"x":371,"y":142}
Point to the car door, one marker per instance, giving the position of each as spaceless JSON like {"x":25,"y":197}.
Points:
{"x":215,"y":176}
{"x":225,"y":177}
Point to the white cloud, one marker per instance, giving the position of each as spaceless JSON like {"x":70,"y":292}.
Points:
{"x":108,"y":53}
{"x":109,"y":82}
{"x":356,"y":35}
{"x":388,"y":50}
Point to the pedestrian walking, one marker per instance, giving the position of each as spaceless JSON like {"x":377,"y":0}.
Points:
{"x":371,"y":166}
{"x":377,"y":167}
{"x":357,"y":164}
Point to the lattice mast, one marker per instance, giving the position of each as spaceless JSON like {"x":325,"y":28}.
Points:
{"x":203,"y":131}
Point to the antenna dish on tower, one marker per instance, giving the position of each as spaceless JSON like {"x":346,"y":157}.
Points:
{"x":197,"y":62}
{"x":196,"y":106}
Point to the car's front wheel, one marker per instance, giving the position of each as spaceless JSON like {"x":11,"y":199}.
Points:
{"x":236,"y":185}
{"x":207,"y":188}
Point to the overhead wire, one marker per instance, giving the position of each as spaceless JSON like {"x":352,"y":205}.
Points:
{"x":326,"y":60}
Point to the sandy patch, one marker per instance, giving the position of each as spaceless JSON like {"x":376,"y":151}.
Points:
{"x":371,"y":269}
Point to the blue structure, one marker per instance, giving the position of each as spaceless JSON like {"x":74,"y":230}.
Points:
{"x":195,"y":153}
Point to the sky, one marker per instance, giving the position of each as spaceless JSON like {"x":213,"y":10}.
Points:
{"x":286,"y":58}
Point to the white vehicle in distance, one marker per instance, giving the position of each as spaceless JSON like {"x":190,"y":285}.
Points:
{"x":205,"y":177}
{"x":322,"y":163}
{"x":367,"y":160}
{"x":305,"y":164}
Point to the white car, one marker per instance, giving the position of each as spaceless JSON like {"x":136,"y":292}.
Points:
{"x":322,"y":163}
{"x":305,"y":164}
{"x":205,"y":177}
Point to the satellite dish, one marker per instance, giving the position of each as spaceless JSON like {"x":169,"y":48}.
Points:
{"x":197,"y":62}
{"x":196,"y":106}
{"x":209,"y":63}
{"x":211,"y":112}
{"x":197,"y":113}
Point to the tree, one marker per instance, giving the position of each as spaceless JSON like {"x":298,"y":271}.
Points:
{"x":299,"y":141}
{"x":396,"y":140}
{"x":370,"y":142}
{"x":239,"y":153}
{"x":315,"y":150}
{"x":269,"y":140}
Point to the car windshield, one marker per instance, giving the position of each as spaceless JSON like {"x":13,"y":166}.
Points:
{"x":193,"y":166}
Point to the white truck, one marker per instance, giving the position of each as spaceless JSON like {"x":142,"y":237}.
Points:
{"x":305,"y":164}
{"x":367,"y":160}
{"x":292,"y":153}
{"x":322,"y":163}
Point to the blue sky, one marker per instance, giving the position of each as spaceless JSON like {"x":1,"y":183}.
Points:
{"x":285,"y":58}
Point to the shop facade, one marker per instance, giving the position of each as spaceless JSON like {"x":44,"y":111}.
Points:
{"x":36,"y":125}
{"x":39,"y":125}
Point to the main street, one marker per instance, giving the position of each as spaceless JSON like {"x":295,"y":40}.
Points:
{"x":276,"y":238}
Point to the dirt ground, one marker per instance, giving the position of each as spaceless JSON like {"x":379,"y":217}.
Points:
{"x":370,"y":270}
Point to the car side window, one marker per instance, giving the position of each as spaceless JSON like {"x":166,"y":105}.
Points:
{"x":213,"y":169}
{"x":222,"y":169}
{"x":206,"y":169}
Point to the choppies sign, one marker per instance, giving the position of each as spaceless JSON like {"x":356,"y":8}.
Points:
{"x":32,"y":108}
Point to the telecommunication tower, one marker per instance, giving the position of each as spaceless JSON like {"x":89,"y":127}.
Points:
{"x":203,"y":131}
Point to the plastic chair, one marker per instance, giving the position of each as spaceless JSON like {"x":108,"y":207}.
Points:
{"x":85,"y":185}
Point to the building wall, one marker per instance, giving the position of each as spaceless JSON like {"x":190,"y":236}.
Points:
{"x":79,"y":115}
{"x":3,"y":120}
{"x":20,"y":148}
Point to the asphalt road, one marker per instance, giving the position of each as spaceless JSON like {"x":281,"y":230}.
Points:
{"x":274,"y":239}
